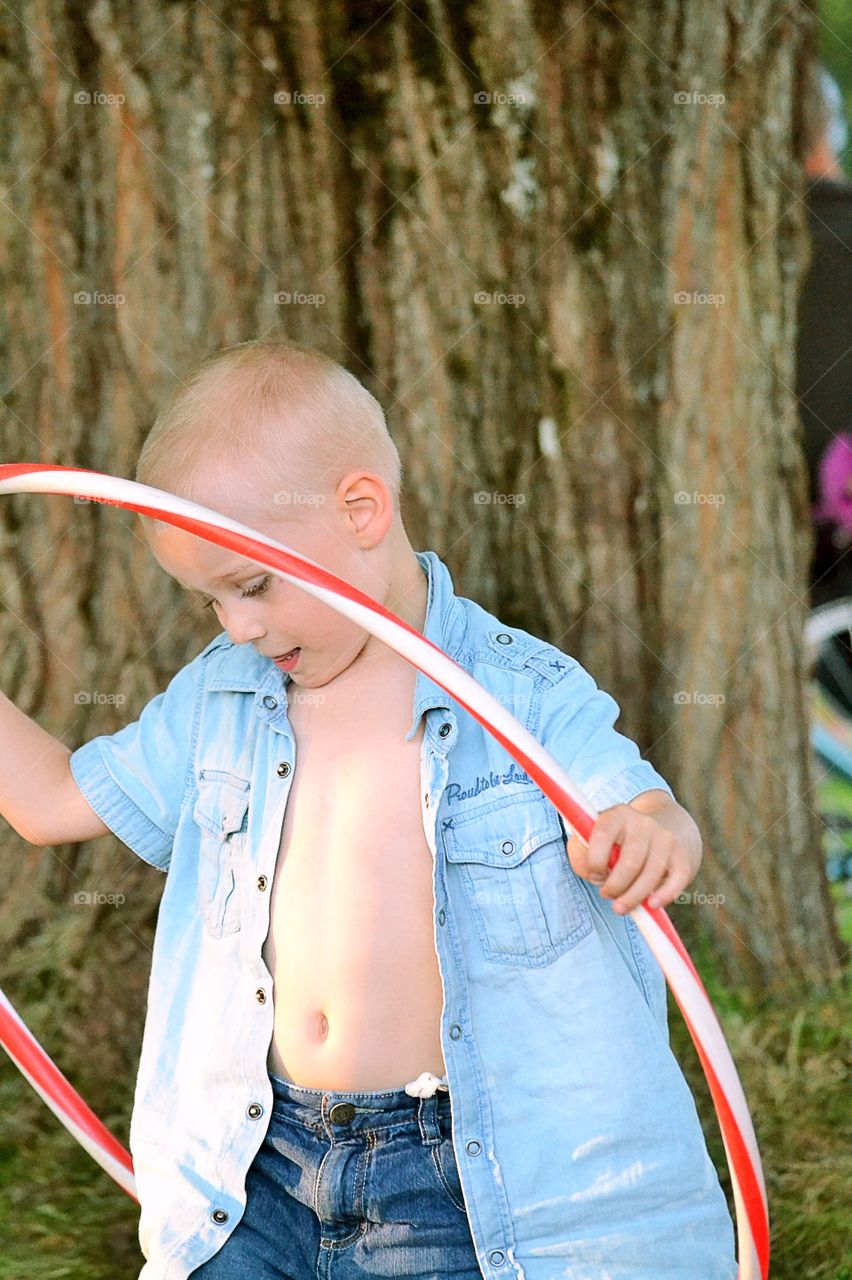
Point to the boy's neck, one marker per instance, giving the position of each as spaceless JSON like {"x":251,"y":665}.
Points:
{"x":408,"y":591}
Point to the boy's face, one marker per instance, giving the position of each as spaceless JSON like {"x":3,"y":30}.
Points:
{"x":256,"y":607}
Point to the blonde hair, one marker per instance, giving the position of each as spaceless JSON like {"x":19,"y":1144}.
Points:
{"x":292,"y":416}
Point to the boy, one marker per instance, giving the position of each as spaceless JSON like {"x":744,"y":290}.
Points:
{"x":393,"y":1028}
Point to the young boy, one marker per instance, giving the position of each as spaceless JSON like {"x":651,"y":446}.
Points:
{"x":394,"y":1029}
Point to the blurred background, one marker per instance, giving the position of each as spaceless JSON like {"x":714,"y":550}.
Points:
{"x":595,"y":261}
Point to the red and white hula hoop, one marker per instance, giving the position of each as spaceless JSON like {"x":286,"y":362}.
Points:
{"x":741,"y":1149}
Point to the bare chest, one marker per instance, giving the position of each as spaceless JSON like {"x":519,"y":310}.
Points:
{"x":352,"y":845}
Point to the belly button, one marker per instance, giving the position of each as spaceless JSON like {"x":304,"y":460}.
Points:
{"x":323,"y":1026}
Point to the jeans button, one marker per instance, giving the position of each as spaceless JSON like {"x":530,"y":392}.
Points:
{"x":341,"y":1113}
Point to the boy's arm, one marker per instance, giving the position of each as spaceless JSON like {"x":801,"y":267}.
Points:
{"x":38,"y":795}
{"x":130,"y":783}
{"x":577,"y":725}
{"x":660,"y":844}
{"x":137,"y":779}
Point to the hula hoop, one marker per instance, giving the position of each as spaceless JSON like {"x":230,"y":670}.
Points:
{"x":741,"y":1150}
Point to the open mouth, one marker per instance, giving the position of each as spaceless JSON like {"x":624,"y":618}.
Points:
{"x":288,"y":660}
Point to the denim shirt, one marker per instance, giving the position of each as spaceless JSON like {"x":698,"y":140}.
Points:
{"x":576,"y":1136}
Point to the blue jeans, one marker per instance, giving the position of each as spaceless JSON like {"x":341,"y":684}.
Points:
{"x":351,"y":1185}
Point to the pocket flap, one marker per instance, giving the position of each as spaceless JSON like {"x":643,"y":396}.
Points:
{"x":503,"y":835}
{"x":222,"y":802}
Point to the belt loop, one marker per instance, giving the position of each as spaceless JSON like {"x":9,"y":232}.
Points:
{"x":427,"y":1118}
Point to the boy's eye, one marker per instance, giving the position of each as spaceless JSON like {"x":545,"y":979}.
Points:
{"x":257,"y":590}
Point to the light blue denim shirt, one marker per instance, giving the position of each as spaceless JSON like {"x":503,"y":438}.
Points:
{"x":577,"y":1139}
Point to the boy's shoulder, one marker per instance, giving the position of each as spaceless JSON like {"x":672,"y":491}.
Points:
{"x":475,"y":637}
{"x":491,"y":641}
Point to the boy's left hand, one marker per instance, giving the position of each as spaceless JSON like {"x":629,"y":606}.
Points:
{"x":660,"y":852}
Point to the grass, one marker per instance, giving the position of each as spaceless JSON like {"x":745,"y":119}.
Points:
{"x":62,"y":1218}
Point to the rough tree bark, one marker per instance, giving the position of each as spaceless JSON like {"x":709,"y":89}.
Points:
{"x":170,"y":173}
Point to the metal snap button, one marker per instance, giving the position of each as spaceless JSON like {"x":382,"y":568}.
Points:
{"x":270,"y":702}
{"x":455,"y":1031}
{"x":503,"y":638}
{"x":442,"y":916}
{"x":254,"y":1111}
{"x":260,"y":996}
{"x":445,"y":729}
{"x":283,"y":769}
{"x":341,"y":1113}
{"x":507,"y":846}
{"x":496,"y":1257}
{"x":219,"y":1215}
{"x":261,"y":883}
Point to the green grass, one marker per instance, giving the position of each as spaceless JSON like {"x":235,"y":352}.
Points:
{"x":61,"y":1218}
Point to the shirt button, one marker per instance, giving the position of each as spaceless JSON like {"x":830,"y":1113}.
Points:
{"x":219,"y":1215}
{"x":445,"y":729}
{"x":496,"y":1257}
{"x":270,"y":702}
{"x":503,"y":638}
{"x":455,"y":1031}
{"x":426,"y":799}
{"x":261,"y":883}
{"x":473,"y":1147}
{"x":254,"y":1111}
{"x":442,"y":916}
{"x":283,"y":769}
{"x":507,"y":846}
{"x":260,"y":996}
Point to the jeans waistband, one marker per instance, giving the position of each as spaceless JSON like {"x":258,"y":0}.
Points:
{"x":364,"y":1104}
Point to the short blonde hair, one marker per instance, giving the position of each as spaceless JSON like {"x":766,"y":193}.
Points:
{"x":294,"y":414}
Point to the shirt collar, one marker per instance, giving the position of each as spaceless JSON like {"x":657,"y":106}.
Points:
{"x":241,"y":669}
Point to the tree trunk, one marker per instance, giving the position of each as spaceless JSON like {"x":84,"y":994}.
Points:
{"x":494,"y":215}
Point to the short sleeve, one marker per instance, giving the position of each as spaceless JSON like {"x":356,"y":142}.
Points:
{"x":135,"y":779}
{"x":576,"y":727}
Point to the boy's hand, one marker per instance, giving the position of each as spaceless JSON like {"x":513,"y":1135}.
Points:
{"x":660,"y":851}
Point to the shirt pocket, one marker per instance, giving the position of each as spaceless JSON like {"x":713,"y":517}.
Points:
{"x":221,"y":812}
{"x":526,"y":904}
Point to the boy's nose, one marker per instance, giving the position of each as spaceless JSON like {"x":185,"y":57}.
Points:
{"x":241,"y":627}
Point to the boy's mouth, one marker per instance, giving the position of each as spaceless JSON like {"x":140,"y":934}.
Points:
{"x":287,"y":661}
